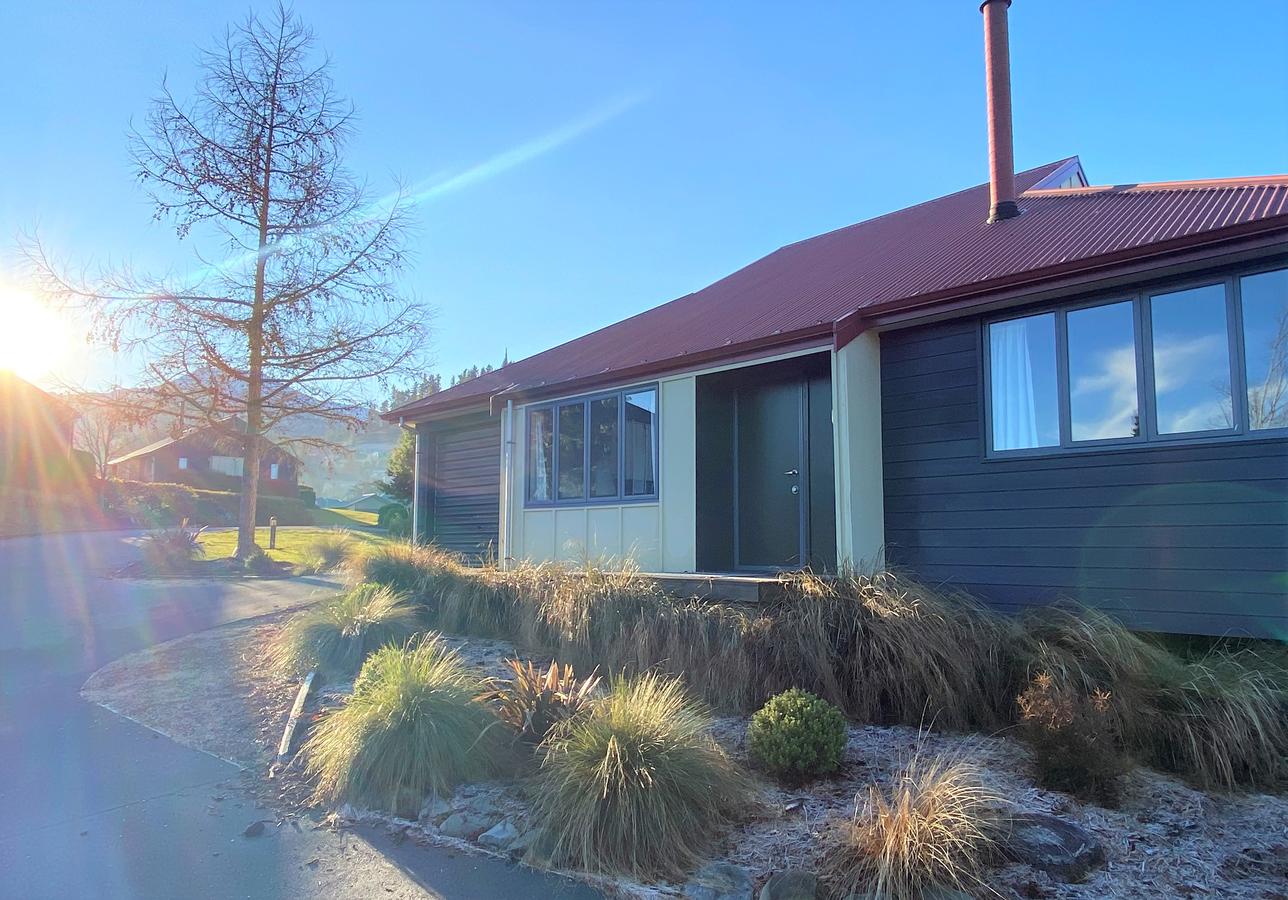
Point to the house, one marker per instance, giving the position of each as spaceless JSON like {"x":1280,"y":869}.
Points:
{"x":36,"y":433}
{"x":210,"y":457}
{"x":1031,"y":389}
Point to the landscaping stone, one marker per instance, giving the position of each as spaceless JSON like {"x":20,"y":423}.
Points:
{"x":540,"y":849}
{"x":254,"y":829}
{"x":434,"y":808}
{"x":793,"y":884}
{"x":464,"y":825}
{"x":500,"y":836}
{"x":720,"y":881}
{"x":1062,"y":849}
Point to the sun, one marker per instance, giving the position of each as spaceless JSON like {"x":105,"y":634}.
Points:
{"x":36,"y":342}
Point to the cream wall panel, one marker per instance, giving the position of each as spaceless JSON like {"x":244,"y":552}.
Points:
{"x":570,"y":534}
{"x":860,"y":495}
{"x":604,"y":533}
{"x":537,"y":537}
{"x":640,"y":537}
{"x":678,"y":490}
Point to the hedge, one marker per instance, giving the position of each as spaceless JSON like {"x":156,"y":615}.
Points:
{"x":156,"y":504}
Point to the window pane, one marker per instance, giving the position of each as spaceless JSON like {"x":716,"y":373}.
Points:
{"x":1191,"y":360}
{"x":540,"y":454}
{"x":1102,"y":372}
{"x":1265,"y":342}
{"x":603,"y":447}
{"x":1025,"y":411}
{"x":572,"y":451}
{"x":641,"y":443}
{"x":227,"y":465}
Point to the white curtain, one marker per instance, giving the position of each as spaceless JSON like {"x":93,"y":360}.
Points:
{"x":541,"y":466}
{"x":1015,"y":419}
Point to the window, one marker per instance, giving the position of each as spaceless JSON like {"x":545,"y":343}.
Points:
{"x":1265,"y":347}
{"x":593,"y":450}
{"x":272,"y":472}
{"x":1206,"y":360}
{"x":183,"y":462}
{"x":1103,"y":401}
{"x":541,"y":454}
{"x":1025,"y":412}
{"x":1191,"y":351}
{"x":227,"y":465}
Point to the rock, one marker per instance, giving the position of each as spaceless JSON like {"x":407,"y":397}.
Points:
{"x":434,"y":808}
{"x":254,"y":829}
{"x":484,"y":806}
{"x":464,"y":825}
{"x":541,"y":852}
{"x":720,"y":881}
{"x":792,"y":884}
{"x":1052,"y":845}
{"x":521,"y":844}
{"x":500,"y":836}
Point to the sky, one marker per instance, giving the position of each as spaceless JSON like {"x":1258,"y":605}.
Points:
{"x":577,"y":163}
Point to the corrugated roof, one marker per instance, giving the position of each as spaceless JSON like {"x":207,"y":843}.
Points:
{"x":935,"y":249}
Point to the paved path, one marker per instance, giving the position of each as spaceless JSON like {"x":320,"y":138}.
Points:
{"x":93,"y":805}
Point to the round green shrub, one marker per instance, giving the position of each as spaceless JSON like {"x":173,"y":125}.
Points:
{"x":395,"y":519}
{"x":797,"y":735}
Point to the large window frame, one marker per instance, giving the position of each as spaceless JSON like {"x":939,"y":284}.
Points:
{"x":1148,"y":434}
{"x":585,"y":400}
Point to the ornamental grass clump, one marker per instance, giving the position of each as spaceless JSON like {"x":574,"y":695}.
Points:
{"x":402,"y":566}
{"x":335,"y":637}
{"x":326,"y":552}
{"x":172,"y":551}
{"x":935,"y":827}
{"x":637,"y":786}
{"x":413,"y":725}
{"x":797,"y":736}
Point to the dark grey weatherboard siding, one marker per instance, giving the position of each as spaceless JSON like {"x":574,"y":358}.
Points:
{"x":463,"y":459}
{"x":1187,"y":538}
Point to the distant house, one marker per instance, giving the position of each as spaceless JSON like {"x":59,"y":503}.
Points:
{"x":1031,"y":389}
{"x":209,"y":457}
{"x":36,"y":430}
{"x":369,"y":502}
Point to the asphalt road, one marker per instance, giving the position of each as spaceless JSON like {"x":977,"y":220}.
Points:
{"x":94,"y":805}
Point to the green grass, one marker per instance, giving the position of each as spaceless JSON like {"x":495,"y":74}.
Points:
{"x":336,"y":636}
{"x":413,"y":725}
{"x":293,"y":544}
{"x":343,"y":518}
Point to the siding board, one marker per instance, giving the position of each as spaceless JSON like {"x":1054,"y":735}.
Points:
{"x":1188,"y":538}
{"x":465,"y":484}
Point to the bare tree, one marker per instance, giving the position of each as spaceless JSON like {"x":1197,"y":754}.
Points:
{"x":105,"y":420}
{"x":301,"y":306}
{"x":1268,"y":401}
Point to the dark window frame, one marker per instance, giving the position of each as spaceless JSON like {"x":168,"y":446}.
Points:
{"x":1149,"y":436}
{"x":585,"y":499}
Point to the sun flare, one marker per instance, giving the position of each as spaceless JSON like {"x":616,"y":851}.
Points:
{"x":35,"y":341}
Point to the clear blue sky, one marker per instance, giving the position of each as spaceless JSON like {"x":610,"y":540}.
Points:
{"x":682,"y":141}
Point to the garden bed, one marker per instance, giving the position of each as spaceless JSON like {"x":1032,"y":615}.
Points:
{"x":213,"y":691}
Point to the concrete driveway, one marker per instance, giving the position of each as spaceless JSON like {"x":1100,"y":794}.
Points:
{"x":92,"y":804}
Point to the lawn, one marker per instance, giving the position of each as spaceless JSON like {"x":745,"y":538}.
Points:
{"x":291,"y":542}
{"x":343,"y":518}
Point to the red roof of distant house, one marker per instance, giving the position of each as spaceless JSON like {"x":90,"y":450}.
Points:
{"x":15,"y":390}
{"x":929,"y":253}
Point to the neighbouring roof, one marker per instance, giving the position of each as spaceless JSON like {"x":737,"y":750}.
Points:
{"x":933,"y":252}
{"x":12,"y":388}
{"x":166,"y":442}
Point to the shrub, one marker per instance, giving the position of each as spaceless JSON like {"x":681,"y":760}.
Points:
{"x":336,"y":636}
{"x":637,"y":786}
{"x":257,"y":562}
{"x":308,"y":496}
{"x":394,"y":518}
{"x":413,"y":725}
{"x":327,"y":551}
{"x":173,"y":550}
{"x":532,"y":703}
{"x":797,"y":736}
{"x":1073,"y":743}
{"x":404,"y":567}
{"x":935,"y":827}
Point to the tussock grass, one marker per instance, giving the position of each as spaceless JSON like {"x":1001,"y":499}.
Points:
{"x":413,"y":725}
{"x":336,"y":636}
{"x":637,"y":786}
{"x":326,"y":552}
{"x":936,"y":826}
{"x":403,"y":566}
{"x":1219,"y":720}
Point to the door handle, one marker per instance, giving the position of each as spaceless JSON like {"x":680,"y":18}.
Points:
{"x":792,"y":472}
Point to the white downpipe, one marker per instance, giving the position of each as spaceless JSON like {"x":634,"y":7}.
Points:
{"x":507,"y":481}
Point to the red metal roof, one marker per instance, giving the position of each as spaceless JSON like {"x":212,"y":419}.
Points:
{"x":931,"y":252}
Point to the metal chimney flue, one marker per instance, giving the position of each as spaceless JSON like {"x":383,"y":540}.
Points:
{"x":1001,"y":152}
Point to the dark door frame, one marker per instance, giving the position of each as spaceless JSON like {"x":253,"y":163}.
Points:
{"x":803,"y":508}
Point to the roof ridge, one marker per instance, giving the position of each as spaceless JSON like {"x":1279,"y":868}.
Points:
{"x":1195,"y":184}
